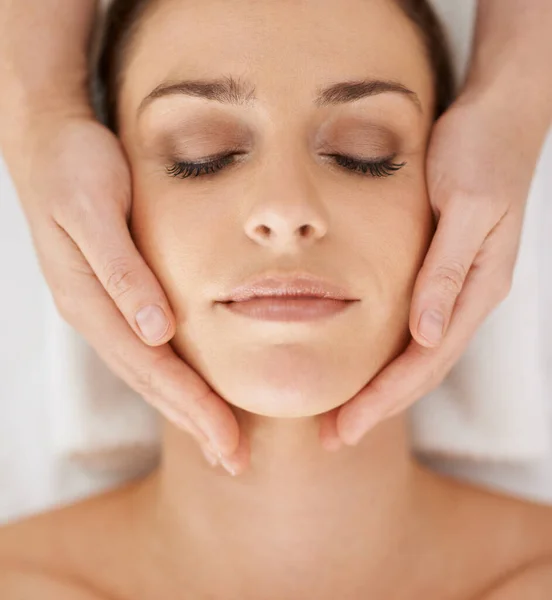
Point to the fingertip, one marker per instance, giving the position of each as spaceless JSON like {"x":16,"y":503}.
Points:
{"x":351,"y":437}
{"x":238,"y":461}
{"x":154,"y":326}
{"x":421,"y":341}
{"x":229,"y":443}
{"x":431,"y":328}
{"x":328,"y":434}
{"x":348,"y":428}
{"x":359,"y":419}
{"x":332,"y":444}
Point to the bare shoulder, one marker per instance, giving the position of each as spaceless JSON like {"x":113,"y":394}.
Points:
{"x":41,"y":541}
{"x":521,"y":534}
{"x":46,"y":555}
{"x":530,"y":582}
{"x":33,"y":563}
{"x":535,"y":526}
{"x":511,"y":522}
{"x":18,"y":584}
{"x":501,"y":542}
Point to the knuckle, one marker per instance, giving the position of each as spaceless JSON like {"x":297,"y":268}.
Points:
{"x":145,"y":384}
{"x":72,"y":207}
{"x":504,"y":287}
{"x":436,"y":377}
{"x":66,"y":307}
{"x":69,"y":288}
{"x":120,"y":278}
{"x":146,"y":381}
{"x":450,"y":278}
{"x":476,"y":200}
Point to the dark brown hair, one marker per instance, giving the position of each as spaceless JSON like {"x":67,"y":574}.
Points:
{"x":124,"y":17}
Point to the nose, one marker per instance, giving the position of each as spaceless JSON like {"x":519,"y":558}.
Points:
{"x":286,"y":215}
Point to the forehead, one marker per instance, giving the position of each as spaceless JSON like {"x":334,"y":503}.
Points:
{"x":288,"y":47}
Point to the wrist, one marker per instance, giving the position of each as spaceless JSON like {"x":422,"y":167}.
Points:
{"x":33,"y":125}
{"x":509,"y":120}
{"x":25,"y":107}
{"x":521,"y":96}
{"x":511,"y":57}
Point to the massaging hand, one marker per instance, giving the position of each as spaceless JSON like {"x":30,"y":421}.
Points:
{"x":74,"y":184}
{"x":479,"y":169}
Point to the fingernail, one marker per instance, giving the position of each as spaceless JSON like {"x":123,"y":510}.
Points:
{"x":431,"y":326}
{"x":353,"y":435}
{"x":210,"y":457}
{"x":152,"y":322}
{"x":353,"y":438}
{"x":227,"y":465}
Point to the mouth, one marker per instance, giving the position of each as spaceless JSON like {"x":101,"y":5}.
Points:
{"x":288,"y":308}
{"x":284,"y":286}
{"x":281,"y":298}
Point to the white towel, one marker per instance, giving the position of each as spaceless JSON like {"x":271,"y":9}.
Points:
{"x":97,"y":421}
{"x":494,"y":405}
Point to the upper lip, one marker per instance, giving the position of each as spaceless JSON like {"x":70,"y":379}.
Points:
{"x":302,"y":284}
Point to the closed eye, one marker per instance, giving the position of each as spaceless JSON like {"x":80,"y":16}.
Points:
{"x":383,"y":167}
{"x":184,"y":170}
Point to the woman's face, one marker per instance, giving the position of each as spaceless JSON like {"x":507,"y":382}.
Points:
{"x":286,"y":88}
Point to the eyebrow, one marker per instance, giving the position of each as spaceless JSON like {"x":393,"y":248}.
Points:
{"x":228,"y":90}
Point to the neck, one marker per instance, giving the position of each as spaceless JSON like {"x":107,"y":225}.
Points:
{"x":299,"y":512}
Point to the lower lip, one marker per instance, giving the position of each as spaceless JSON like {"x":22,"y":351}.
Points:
{"x":288,"y":309}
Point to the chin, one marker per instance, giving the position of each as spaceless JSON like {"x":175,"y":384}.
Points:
{"x":288,"y":379}
{"x":288,"y":384}
{"x":300,"y":401}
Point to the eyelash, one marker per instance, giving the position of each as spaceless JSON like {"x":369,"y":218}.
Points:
{"x":381,"y":168}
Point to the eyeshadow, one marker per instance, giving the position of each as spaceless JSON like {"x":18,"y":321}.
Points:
{"x":194,"y":135}
{"x":361,"y":134}
{"x":358,"y":136}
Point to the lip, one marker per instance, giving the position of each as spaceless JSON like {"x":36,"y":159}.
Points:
{"x":288,"y":298}
{"x":288,"y":309}
{"x":282,"y":286}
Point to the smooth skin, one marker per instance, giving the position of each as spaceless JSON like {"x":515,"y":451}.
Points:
{"x":394,"y":529}
{"x":503,"y":112}
{"x":48,"y":133}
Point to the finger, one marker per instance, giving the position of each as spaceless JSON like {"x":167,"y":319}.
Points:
{"x":329,"y":436}
{"x":106,"y":244}
{"x":184,"y":422}
{"x":172,"y":385}
{"x":156,"y":373}
{"x":461,"y":232}
{"x":238,"y":462}
{"x":419,"y":370}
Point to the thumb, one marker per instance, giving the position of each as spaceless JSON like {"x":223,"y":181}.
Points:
{"x":457,"y":241}
{"x":111,"y":253}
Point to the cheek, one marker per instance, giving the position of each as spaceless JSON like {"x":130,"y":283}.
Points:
{"x":183,"y":237}
{"x":391,"y":233}
{"x":410,"y":226}
{"x":392,"y":230}
{"x":166,"y":236}
{"x":404,"y":252}
{"x":377,"y":238}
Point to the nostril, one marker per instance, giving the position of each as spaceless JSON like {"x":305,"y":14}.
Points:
{"x":264,"y":229}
